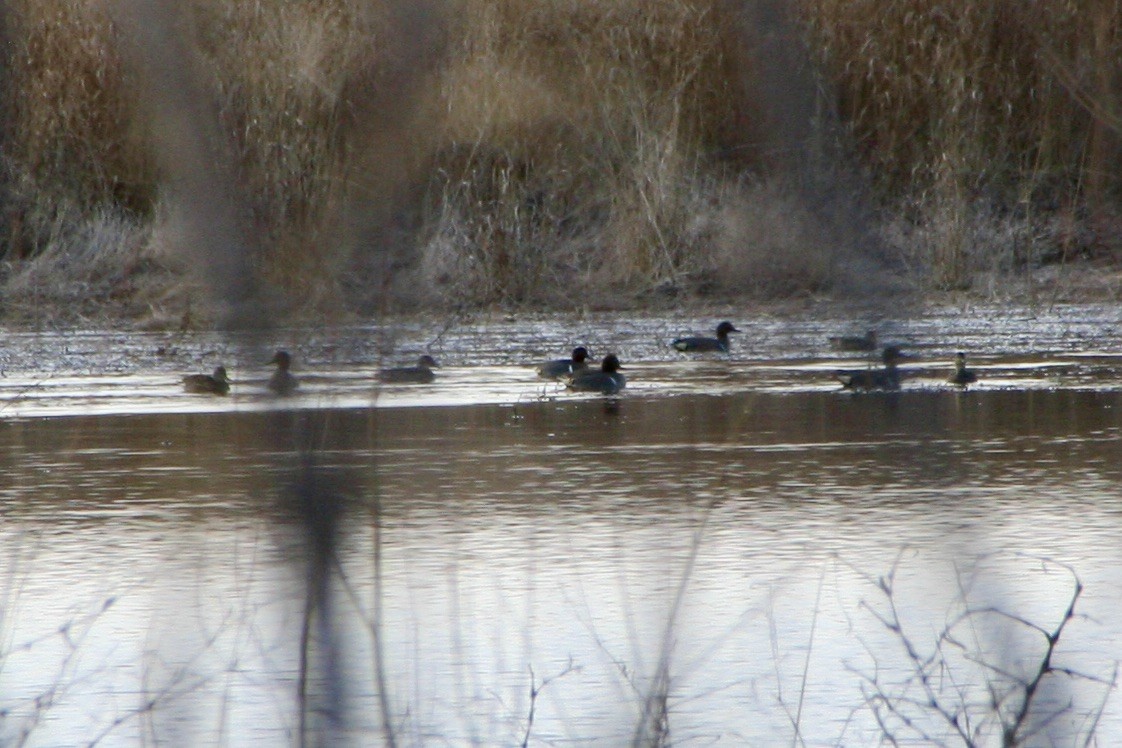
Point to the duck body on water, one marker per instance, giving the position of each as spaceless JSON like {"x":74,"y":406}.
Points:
{"x":282,"y":382}
{"x":962,"y":376}
{"x":871,"y":380}
{"x":578,"y":376}
{"x":565,"y":367}
{"x":208,"y":384}
{"x":719,"y":344}
{"x":422,"y":373}
{"x":606,"y":379}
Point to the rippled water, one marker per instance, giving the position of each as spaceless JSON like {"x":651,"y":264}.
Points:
{"x":732,"y":522}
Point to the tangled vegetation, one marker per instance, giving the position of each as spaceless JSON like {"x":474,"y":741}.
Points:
{"x":572,"y":153}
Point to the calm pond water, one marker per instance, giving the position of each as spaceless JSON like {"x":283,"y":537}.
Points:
{"x":733,"y":533}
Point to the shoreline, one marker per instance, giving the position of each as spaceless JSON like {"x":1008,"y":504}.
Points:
{"x":1081,"y":282}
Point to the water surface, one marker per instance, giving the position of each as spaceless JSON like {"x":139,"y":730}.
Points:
{"x":732,"y":522}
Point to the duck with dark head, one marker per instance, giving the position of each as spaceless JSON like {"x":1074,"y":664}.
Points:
{"x":719,"y":344}
{"x":422,"y":373}
{"x":282,"y":382}
{"x":208,"y":384}
{"x":565,"y":367}
{"x":870,"y":380}
{"x":606,"y":379}
{"x":962,"y":376}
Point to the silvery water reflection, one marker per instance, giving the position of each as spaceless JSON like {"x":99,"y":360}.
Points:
{"x":520,"y":540}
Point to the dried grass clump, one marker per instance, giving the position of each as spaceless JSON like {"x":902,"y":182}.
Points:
{"x":289,"y":83}
{"x":516,"y":153}
{"x":581,"y":136}
{"x":283,"y":76}
{"x":769,"y":244}
{"x":969,"y":110}
{"x":70,"y":137}
{"x":93,"y":265}
{"x":978,"y":91}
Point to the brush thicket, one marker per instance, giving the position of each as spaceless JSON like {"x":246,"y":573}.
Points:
{"x":971,"y":109}
{"x":579,"y":138}
{"x":613,"y":146}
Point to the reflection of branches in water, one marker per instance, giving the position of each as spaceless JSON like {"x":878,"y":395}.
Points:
{"x":654,"y":724}
{"x":315,"y":497}
{"x":941,"y":689}
{"x":536,"y":689}
{"x":372,"y":619}
{"x":183,"y":681}
{"x":71,"y":635}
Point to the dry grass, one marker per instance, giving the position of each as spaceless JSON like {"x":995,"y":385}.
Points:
{"x":93,"y":265}
{"x":592,"y":152}
{"x":576,"y":146}
{"x":965,"y":111}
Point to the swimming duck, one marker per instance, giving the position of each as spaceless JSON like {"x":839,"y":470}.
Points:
{"x":422,"y":373}
{"x":868,"y":342}
{"x":208,"y":384}
{"x":868,"y":380}
{"x":962,"y":376}
{"x":564,"y":367}
{"x":700,"y":345}
{"x":607,"y":379}
{"x":282,"y":382}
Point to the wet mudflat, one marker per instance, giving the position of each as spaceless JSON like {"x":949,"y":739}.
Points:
{"x":727,"y":523}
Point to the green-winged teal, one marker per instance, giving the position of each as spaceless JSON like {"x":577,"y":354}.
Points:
{"x":208,"y":384}
{"x":868,"y":380}
{"x":606,"y":379}
{"x":282,"y":382}
{"x":702,"y":345}
{"x":867,"y":342}
{"x":962,"y":376}
{"x":564,"y":367}
{"x":422,"y":373}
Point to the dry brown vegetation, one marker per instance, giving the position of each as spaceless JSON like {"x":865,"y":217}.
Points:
{"x":978,"y":118}
{"x":569,"y":152}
